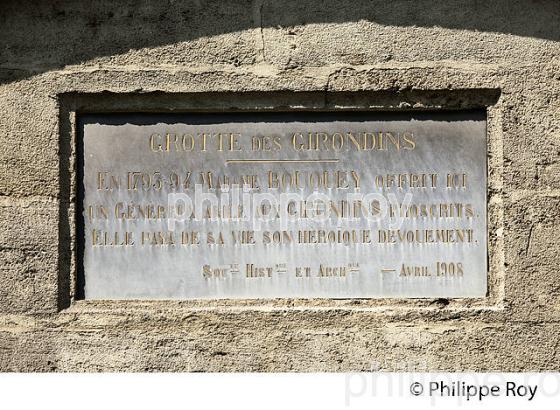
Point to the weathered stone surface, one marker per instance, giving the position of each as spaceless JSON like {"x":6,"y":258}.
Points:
{"x":288,"y":341}
{"x":368,"y":54}
{"x":28,"y":255}
{"x":532,"y":251}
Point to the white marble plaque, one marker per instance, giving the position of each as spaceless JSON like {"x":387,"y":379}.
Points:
{"x":283,"y":205}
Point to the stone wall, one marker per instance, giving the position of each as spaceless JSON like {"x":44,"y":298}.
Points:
{"x":66,"y":57}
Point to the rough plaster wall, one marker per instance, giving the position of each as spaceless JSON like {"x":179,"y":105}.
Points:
{"x":53,"y":48}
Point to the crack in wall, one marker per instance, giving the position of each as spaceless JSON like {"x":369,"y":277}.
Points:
{"x":258,"y":6}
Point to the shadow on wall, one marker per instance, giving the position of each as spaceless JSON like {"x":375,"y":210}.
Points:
{"x":38,"y":36}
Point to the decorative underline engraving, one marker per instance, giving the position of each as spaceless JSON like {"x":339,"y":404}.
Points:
{"x":270,"y":161}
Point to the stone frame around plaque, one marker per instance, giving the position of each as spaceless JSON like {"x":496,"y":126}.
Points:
{"x":74,"y":104}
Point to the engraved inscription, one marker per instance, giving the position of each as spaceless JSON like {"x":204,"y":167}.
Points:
{"x":283,"y":205}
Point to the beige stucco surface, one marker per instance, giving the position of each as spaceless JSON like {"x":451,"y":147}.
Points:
{"x":57,"y":58}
